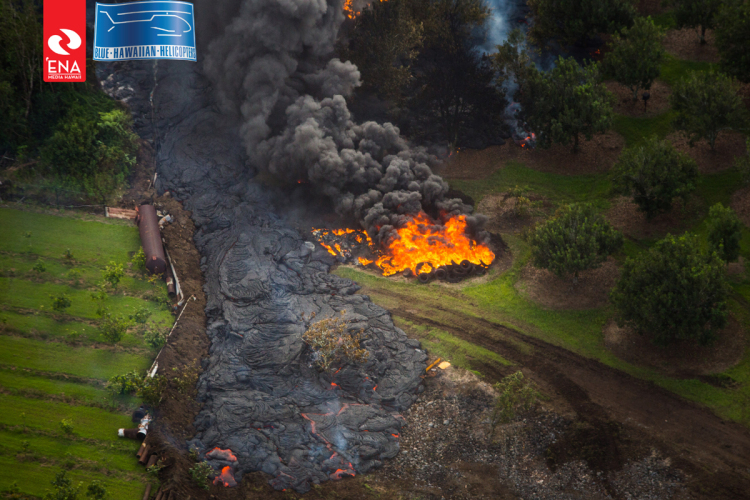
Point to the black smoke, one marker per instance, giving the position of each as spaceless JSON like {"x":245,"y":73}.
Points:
{"x":273,"y":66}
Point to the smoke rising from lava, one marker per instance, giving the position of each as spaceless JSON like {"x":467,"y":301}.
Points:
{"x":272,"y":64}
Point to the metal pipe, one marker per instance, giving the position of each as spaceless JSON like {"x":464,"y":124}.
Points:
{"x":148,"y":225}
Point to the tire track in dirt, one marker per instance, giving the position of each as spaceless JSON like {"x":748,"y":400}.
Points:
{"x":715,"y":453}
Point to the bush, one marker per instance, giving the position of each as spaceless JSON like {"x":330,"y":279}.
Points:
{"x":577,"y":238}
{"x":141,"y":315}
{"x":514,"y":394}
{"x":653,"y":175}
{"x":155,"y":336}
{"x":68,"y":254}
{"x":732,"y":35}
{"x":200,"y":473}
{"x":96,"y":490}
{"x":636,"y":55}
{"x":139,"y":260}
{"x":64,"y":489}
{"x":331,"y":342}
{"x":60,"y":302}
{"x":675,"y":291}
{"x":707,"y":103}
{"x":128,"y":383}
{"x":186,"y":377}
{"x":113,"y":327}
{"x":40,"y":266}
{"x":151,"y":390}
{"x":724,"y":232}
{"x":113,"y":273}
{"x":100,"y":299}
{"x":67,"y":426}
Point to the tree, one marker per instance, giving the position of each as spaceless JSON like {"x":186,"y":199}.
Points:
{"x":699,"y":14}
{"x":386,"y":38}
{"x":113,"y":273}
{"x":577,"y":238}
{"x":565,"y":103}
{"x":514,"y":393}
{"x":96,"y":491}
{"x":636,"y":55}
{"x":733,"y":38}
{"x":653,"y":174}
{"x":574,"y":20}
{"x":331,"y":342}
{"x":724,"y":232}
{"x":707,"y":103}
{"x":674,"y":291}
{"x":60,"y":302}
{"x":64,"y":489}
{"x":112,"y":327}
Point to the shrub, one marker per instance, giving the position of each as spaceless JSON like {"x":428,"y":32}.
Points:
{"x":113,"y":327}
{"x":100,"y":299}
{"x":577,"y":238}
{"x":724,"y":232}
{"x":672,"y":292}
{"x":707,"y":103}
{"x":575,"y":20}
{"x":331,"y":342}
{"x":141,"y":315}
{"x":514,"y":394}
{"x":128,"y":383}
{"x":96,"y":490}
{"x":636,"y":55}
{"x":64,"y":489}
{"x":139,"y":260}
{"x":653,"y":174}
{"x":186,"y":377}
{"x":67,"y":426}
{"x":700,"y":14}
{"x":152,"y":388}
{"x":40,"y":266}
{"x":200,"y":474}
{"x":60,"y":302}
{"x":155,"y":336}
{"x":68,"y":254}
{"x":113,"y":273}
{"x":732,"y":35}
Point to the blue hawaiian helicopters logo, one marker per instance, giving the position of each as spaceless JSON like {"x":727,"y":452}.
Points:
{"x":144,"y":30}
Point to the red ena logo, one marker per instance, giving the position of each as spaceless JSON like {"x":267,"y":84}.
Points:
{"x":64,"y":40}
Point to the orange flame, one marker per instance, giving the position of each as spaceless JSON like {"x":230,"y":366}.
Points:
{"x":218,"y":453}
{"x":421,"y":240}
{"x":365,"y":262}
{"x":225,"y":478}
{"x":320,"y":234}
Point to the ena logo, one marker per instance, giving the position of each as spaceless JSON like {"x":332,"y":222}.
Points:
{"x":65,"y":57}
{"x":74,"y":41}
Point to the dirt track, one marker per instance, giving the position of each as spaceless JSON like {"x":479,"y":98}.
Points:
{"x":713,"y":452}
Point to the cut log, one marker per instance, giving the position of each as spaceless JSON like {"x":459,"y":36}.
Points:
{"x":140,"y":450}
{"x":119,"y":213}
{"x":147,"y":493}
{"x":144,"y":455}
{"x":152,"y":460}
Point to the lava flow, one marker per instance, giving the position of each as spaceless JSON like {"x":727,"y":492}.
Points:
{"x":423,"y":246}
{"x":226,"y":478}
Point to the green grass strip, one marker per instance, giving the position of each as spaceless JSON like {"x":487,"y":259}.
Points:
{"x":673,"y":70}
{"x":88,"y":422}
{"x":557,"y":187}
{"x":51,"y":235}
{"x":32,"y":479}
{"x":636,"y":130}
{"x":79,"y":361}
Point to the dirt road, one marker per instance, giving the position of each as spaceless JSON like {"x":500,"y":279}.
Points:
{"x":714,"y":453}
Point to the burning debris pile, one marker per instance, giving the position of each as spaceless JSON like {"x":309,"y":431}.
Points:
{"x":421,"y":248}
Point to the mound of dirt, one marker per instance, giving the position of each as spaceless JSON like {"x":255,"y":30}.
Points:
{"x":594,"y":156}
{"x":685,"y":44}
{"x":625,"y":216}
{"x":682,"y":359}
{"x":553,"y":292}
{"x":658,"y":103}
{"x":729,"y":144}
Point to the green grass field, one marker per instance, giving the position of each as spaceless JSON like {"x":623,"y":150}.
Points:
{"x":53,"y":365}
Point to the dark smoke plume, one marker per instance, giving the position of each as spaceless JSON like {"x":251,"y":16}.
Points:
{"x":272,"y":64}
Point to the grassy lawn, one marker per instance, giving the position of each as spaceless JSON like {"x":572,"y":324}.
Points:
{"x":40,"y":348}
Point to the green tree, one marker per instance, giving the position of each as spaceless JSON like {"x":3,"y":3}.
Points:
{"x":577,"y":238}
{"x":724,"y":232}
{"x":514,"y":394}
{"x":60,"y":302}
{"x":636,"y":55}
{"x":113,"y":273}
{"x":384,"y":41}
{"x":574,"y":20}
{"x":674,"y":291}
{"x":200,"y":474}
{"x":113,"y":328}
{"x":567,"y":102}
{"x":97,"y":491}
{"x":733,"y":38}
{"x":63,"y":488}
{"x":653,"y":174}
{"x":699,"y":14}
{"x":707,"y":103}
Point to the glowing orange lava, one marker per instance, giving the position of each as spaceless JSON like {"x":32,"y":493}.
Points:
{"x":335,"y":249}
{"x":225,"y":478}
{"x":423,"y":241}
{"x":219,"y":454}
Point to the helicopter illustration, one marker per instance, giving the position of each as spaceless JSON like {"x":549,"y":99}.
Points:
{"x":168,"y":23}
